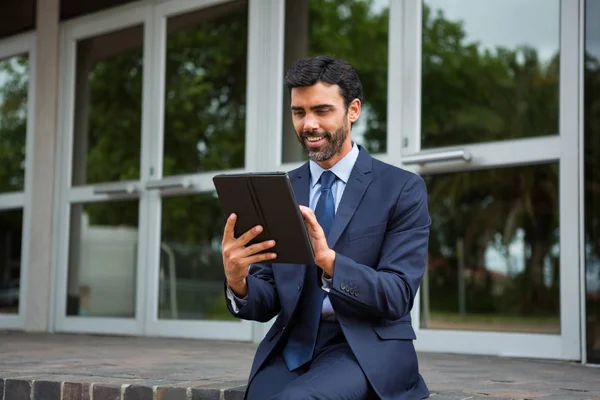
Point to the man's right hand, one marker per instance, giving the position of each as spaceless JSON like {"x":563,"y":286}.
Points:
{"x":237,"y":257}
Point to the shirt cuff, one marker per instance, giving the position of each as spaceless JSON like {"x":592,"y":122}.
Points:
{"x":326,"y":282}
{"x":236,"y":302}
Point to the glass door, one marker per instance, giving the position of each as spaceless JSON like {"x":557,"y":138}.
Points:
{"x":199,"y":130}
{"x":16,"y":110}
{"x":100,"y":252}
{"x":490,"y":99}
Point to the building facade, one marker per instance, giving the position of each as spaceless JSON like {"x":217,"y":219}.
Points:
{"x":115,"y":115}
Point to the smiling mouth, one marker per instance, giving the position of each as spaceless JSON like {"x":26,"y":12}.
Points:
{"x":314,"y":141}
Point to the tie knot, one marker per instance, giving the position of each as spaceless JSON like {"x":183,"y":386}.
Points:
{"x":327,"y":179}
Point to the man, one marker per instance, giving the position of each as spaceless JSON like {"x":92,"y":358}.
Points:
{"x":343,"y":327}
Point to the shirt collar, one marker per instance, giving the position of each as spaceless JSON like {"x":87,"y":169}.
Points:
{"x":341,"y":169}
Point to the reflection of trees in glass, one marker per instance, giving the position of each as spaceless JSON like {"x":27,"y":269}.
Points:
{"x":496,"y":208}
{"x":115,"y":116}
{"x":357,"y":32}
{"x":14,"y":79}
{"x":205,"y":102}
{"x":591,"y":123}
{"x":470,"y":95}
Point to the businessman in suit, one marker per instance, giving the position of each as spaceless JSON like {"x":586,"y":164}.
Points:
{"x":343,"y":327}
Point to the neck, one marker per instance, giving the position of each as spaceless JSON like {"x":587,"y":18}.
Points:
{"x":326,"y":164}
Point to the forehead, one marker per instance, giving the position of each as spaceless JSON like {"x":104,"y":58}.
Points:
{"x":319,"y":93}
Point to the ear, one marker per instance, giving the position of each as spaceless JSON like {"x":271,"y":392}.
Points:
{"x":354,"y":110}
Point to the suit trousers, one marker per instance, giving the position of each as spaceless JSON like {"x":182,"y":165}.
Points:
{"x":333,"y":373}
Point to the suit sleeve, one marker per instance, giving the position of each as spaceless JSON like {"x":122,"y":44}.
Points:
{"x":262,"y":302}
{"x":388,"y":289}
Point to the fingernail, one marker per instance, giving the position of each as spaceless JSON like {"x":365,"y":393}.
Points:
{"x":258,"y":228}
{"x":271,"y":243}
{"x":273,"y":255}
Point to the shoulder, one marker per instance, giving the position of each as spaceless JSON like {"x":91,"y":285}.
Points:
{"x":396,"y":176}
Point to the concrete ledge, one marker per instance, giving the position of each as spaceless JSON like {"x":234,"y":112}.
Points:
{"x":24,"y":388}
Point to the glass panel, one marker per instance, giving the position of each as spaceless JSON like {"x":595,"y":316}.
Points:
{"x":108,"y":107}
{"x":591,"y":122}
{"x":191,"y":267}
{"x":494,"y":251}
{"x":489,"y":73}
{"x":205,"y":94}
{"x":103,"y":259}
{"x":11,"y":231}
{"x":14,"y":81}
{"x":353,"y":30}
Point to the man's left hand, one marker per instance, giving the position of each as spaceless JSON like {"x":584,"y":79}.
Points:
{"x":324,"y":256}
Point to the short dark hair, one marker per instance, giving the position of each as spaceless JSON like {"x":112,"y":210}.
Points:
{"x":309,"y":71}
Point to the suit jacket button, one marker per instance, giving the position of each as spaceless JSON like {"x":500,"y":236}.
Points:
{"x":356,"y":293}
{"x":343,"y":286}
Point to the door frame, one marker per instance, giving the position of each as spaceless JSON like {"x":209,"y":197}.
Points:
{"x":70,"y":33}
{"x":562,"y":148}
{"x":13,"y":46}
{"x":152,"y":15}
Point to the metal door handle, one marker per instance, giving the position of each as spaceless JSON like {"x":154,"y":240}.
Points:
{"x":168,"y":184}
{"x":115,"y":188}
{"x":437,"y":156}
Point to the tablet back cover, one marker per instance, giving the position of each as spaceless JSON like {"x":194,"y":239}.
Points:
{"x":267,"y":199}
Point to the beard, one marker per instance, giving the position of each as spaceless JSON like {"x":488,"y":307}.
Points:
{"x":333,"y":143}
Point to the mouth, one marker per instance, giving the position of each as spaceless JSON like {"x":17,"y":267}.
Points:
{"x":314,"y":141}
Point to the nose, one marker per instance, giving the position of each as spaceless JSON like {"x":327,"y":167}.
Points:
{"x":310,"y":123}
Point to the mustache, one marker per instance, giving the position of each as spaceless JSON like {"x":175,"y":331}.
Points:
{"x":306,"y":134}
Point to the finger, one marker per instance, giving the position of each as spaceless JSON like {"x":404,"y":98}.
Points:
{"x":256,"y":248}
{"x":229,"y":230}
{"x":309,"y":217}
{"x":259,"y":258}
{"x":249,"y":235}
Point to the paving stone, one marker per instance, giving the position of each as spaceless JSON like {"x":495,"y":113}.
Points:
{"x":46,"y":390}
{"x":76,"y":391}
{"x":138,"y":393}
{"x":17,"y":389}
{"x":235,"y":393}
{"x":104,"y":391}
{"x":171,"y":393}
{"x":206,"y":394}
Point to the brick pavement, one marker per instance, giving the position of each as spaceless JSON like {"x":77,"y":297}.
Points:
{"x":86,"y":367}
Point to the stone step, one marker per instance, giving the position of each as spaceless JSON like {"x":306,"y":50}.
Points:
{"x":24,"y":388}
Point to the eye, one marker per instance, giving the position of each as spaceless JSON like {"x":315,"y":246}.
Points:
{"x":298,"y":113}
{"x":323,"y":111}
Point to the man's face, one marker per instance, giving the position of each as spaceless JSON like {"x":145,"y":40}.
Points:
{"x":321,"y":120}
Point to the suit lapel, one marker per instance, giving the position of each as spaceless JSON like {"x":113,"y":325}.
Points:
{"x":357,"y":185}
{"x":300,"y":182}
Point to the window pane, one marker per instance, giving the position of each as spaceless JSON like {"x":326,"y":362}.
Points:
{"x":205,"y":103}
{"x":356,"y":31}
{"x":191,"y":267}
{"x":103,"y":259}
{"x":592,"y":179}
{"x":108,"y":107}
{"x":494,"y":251}
{"x":489,"y":73}
{"x":11,"y":231}
{"x":14,"y":81}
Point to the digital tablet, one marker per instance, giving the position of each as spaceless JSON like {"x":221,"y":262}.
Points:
{"x":267,"y":199}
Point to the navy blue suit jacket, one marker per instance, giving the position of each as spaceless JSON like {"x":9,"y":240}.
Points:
{"x":380,"y":235}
